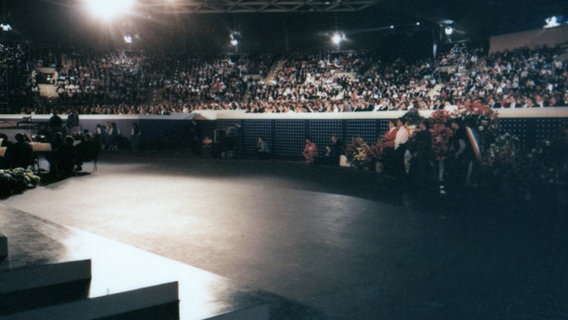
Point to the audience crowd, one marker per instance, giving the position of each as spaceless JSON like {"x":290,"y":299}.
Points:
{"x":138,"y":82}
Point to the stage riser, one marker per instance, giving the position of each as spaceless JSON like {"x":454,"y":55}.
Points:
{"x":3,"y":247}
{"x":158,"y":302}
{"x":44,"y":285}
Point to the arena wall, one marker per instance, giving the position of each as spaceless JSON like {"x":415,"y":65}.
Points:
{"x":530,"y":39}
{"x":285,"y":133}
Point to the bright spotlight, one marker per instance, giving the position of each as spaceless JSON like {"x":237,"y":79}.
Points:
{"x":5,"y":27}
{"x":234,"y":38}
{"x":108,"y":9}
{"x":551,"y":22}
{"x":418,"y":23}
{"x":337,"y":38}
{"x":449,"y":30}
{"x":128,"y":39}
{"x":392,"y":26}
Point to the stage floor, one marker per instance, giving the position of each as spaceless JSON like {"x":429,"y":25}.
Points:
{"x":349,"y":243}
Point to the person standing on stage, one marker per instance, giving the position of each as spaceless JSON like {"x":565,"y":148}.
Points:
{"x":72,"y":122}
{"x":55,"y":123}
{"x":135,"y":137}
{"x":400,"y":147}
{"x":388,"y":147}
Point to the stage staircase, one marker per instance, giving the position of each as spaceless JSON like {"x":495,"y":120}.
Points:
{"x":44,"y":275}
{"x":61,"y":291}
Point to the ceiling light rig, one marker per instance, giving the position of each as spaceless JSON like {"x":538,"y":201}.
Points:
{"x":159,"y":7}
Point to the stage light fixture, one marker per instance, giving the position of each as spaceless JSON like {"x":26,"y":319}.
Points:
{"x":128,"y":39}
{"x":449,"y":30}
{"x":5,"y":27}
{"x":107,"y":10}
{"x":234,"y":38}
{"x":337,"y":38}
{"x":551,"y":22}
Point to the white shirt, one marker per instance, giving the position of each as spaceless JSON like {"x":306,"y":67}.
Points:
{"x":401,"y":137}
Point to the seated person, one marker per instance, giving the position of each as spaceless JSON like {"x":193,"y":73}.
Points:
{"x":328,"y":157}
{"x":310,"y":151}
{"x":19,"y":154}
{"x":87,"y":150}
{"x":262,"y":150}
{"x":63,"y":156}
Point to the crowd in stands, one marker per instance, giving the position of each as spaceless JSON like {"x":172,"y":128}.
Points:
{"x":120,"y":82}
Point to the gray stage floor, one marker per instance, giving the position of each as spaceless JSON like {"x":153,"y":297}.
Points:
{"x":346,"y":242}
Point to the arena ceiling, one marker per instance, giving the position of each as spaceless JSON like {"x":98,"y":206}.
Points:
{"x":243,"y":6}
{"x":477,"y":14}
{"x":286,"y":21}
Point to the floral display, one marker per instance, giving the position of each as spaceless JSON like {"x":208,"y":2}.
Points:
{"x":441,"y":134}
{"x":480,"y":117}
{"x":360,"y":154}
{"x":16,"y":181}
{"x":503,"y":152}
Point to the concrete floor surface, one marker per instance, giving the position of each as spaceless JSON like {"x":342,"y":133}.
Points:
{"x":349,"y":243}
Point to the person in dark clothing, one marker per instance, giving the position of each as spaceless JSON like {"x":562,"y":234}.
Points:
{"x":19,"y":154}
{"x":421,"y":168}
{"x":55,"y":122}
{"x":462,"y":153}
{"x":87,"y":150}
{"x":3,"y":140}
{"x":114,"y":136}
{"x":135,"y":137}
{"x":336,"y":150}
{"x":72,"y":122}
{"x":66,"y":156}
{"x":56,"y":143}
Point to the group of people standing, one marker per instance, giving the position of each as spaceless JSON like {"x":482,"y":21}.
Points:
{"x":407,"y":155}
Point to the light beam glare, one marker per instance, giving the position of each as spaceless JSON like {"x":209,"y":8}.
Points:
{"x":108,"y":10}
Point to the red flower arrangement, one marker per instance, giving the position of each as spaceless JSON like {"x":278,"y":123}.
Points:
{"x":481,"y":117}
{"x":439,"y":117}
{"x":441,"y":133}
